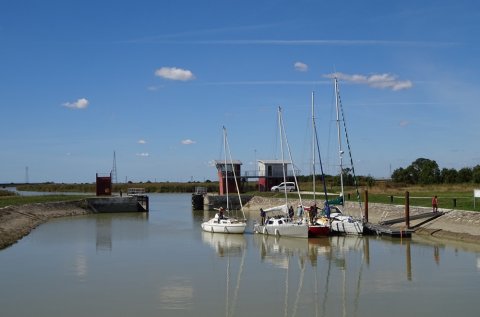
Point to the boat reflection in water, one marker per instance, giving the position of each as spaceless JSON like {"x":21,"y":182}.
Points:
{"x":317,"y":277}
{"x":225,"y":244}
{"x":229,"y":246}
{"x":167,"y":266}
{"x":278,"y":250}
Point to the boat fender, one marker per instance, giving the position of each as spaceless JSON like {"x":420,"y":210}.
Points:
{"x":277,"y":233}
{"x":211,"y":229}
{"x":265,"y":231}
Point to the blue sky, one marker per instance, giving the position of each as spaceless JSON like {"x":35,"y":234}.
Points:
{"x":155,"y":81}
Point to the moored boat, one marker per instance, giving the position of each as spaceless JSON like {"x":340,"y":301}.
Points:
{"x":282,"y":226}
{"x":340,"y":222}
{"x":224,"y":225}
{"x":319,"y":226}
{"x":221,"y":223}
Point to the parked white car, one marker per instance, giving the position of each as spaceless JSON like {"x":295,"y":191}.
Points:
{"x":289,"y":186}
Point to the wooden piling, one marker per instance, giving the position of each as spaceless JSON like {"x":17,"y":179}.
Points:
{"x":366,"y":205}
{"x":407,"y":209}
{"x":409,"y":261}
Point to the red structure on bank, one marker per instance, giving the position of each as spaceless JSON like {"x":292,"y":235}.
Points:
{"x":104,"y":185}
{"x":226,"y":175}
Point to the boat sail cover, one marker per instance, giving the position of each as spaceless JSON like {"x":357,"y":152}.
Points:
{"x":336,"y":201}
{"x":282,"y":208}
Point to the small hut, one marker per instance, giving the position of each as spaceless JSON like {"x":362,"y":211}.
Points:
{"x":226,"y":175}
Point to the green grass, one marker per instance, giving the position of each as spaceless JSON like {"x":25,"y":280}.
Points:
{"x":459,"y":197}
{"x":23,"y":200}
{"x":449,"y":201}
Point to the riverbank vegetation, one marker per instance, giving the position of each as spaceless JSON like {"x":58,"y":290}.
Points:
{"x":17,"y":200}
{"x":425,"y":171}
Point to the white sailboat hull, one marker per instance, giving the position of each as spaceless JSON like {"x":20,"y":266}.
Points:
{"x":354,"y":227}
{"x":287,"y":230}
{"x":224,"y":226}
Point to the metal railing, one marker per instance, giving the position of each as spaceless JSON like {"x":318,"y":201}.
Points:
{"x":279,"y":174}
{"x":135,"y":191}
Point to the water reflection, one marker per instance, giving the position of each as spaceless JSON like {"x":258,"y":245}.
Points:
{"x":176,"y":294}
{"x":278,"y":250}
{"x":225,"y":244}
{"x":231,"y":247}
{"x":103,"y":234}
{"x":125,"y":264}
{"x":131,"y":226}
{"x":81,"y":266}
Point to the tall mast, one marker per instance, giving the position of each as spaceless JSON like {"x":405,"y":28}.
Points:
{"x":313,"y":143}
{"x":225,"y":162}
{"x":280,"y":126}
{"x":235,"y":177}
{"x":340,"y":151}
{"x":317,"y":147}
{"x":283,"y":134}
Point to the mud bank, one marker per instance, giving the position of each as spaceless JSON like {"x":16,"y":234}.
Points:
{"x":453,"y":224}
{"x":17,"y":221}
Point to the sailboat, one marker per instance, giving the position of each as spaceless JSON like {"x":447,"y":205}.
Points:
{"x":320,"y":226}
{"x":340,"y":221}
{"x":222,"y":223}
{"x":281,"y":224}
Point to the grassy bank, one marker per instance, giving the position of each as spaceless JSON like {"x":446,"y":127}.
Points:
{"x":450,"y":196}
{"x":164,"y":187}
{"x":23,"y":200}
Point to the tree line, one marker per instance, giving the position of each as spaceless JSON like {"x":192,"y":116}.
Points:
{"x":424,"y":171}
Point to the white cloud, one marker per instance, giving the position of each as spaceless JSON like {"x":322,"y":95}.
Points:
{"x":141,"y":141}
{"x":404,"y":123}
{"x":211,"y":163}
{"x":188,"y":142}
{"x":154,"y":88}
{"x":81,"y":103}
{"x":144,"y":154}
{"x":381,"y":81}
{"x":174,"y":73}
{"x":301,"y":67}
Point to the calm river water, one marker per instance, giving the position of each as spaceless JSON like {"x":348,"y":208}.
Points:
{"x":162,"y":264}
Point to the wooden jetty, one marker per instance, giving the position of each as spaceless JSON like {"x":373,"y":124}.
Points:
{"x":427,"y":215}
{"x":385,"y":230}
